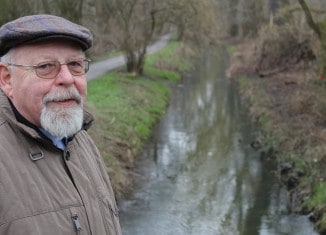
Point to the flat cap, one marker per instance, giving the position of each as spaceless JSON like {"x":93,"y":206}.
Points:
{"x":39,"y":28}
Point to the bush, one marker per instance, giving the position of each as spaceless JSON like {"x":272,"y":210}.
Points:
{"x":279,"y":48}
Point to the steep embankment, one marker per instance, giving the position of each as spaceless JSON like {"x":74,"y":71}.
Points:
{"x":289,"y":107}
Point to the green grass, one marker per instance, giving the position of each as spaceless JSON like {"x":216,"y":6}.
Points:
{"x":319,"y":197}
{"x":169,"y":63}
{"x":318,"y":203}
{"x":126,"y":108}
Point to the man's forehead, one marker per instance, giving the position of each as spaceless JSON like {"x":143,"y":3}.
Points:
{"x":47,"y":49}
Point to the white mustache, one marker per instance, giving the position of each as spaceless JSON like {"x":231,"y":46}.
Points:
{"x":65,"y":94}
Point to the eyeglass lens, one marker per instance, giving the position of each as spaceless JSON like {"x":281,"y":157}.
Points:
{"x":50,"y":69}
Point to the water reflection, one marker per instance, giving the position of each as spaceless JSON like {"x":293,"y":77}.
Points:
{"x":199,"y":174}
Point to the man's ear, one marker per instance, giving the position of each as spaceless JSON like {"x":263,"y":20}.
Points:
{"x":5,"y":80}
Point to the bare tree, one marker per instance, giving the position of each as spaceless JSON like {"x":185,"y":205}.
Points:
{"x":194,"y":21}
{"x":180,"y":14}
{"x":131,"y":25}
{"x":12,"y":9}
{"x":71,"y":9}
{"x":320,"y":29}
{"x":134,"y":25}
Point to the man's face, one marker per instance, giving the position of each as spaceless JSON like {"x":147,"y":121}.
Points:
{"x":34,"y":97}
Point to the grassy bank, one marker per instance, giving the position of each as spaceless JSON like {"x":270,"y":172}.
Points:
{"x":290,"y":109}
{"x":126,"y":108}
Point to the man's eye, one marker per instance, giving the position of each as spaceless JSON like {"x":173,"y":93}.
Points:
{"x":47,"y":65}
{"x":75,"y":64}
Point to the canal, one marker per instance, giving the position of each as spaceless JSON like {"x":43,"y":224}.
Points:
{"x":199,"y":175}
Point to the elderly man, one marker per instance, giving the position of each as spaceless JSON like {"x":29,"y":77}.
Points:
{"x":52,"y":177}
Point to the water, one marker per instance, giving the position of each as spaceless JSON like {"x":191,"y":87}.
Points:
{"x":199,"y":174}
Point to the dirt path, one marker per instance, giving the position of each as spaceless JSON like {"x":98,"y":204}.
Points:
{"x":98,"y":69}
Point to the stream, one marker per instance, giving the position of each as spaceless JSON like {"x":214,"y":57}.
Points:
{"x":199,"y":175}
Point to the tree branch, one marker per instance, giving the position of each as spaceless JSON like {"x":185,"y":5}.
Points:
{"x":309,"y":18}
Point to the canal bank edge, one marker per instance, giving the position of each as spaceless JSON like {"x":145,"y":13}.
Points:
{"x":289,"y":108}
{"x":126,"y":109}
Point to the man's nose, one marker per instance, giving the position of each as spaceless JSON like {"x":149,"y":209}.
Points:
{"x":64,"y":76}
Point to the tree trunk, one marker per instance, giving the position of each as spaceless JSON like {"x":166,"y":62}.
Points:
{"x":135,"y":61}
{"x":320,"y":30}
{"x":130,"y":61}
{"x":309,"y":18}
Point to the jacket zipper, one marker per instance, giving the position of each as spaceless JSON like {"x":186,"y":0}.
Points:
{"x":75,"y":220}
{"x":114,"y":214}
{"x":74,"y":214}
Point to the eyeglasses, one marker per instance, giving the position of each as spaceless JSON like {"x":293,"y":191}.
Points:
{"x":50,"y":69}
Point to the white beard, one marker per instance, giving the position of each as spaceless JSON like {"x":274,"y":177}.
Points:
{"x":62,"y":122}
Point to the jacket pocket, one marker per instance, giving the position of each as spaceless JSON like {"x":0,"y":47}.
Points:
{"x":110,"y":214}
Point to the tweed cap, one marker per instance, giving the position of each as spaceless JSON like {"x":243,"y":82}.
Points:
{"x":39,"y":28}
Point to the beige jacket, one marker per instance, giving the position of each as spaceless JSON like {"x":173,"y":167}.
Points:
{"x":46,"y":191}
